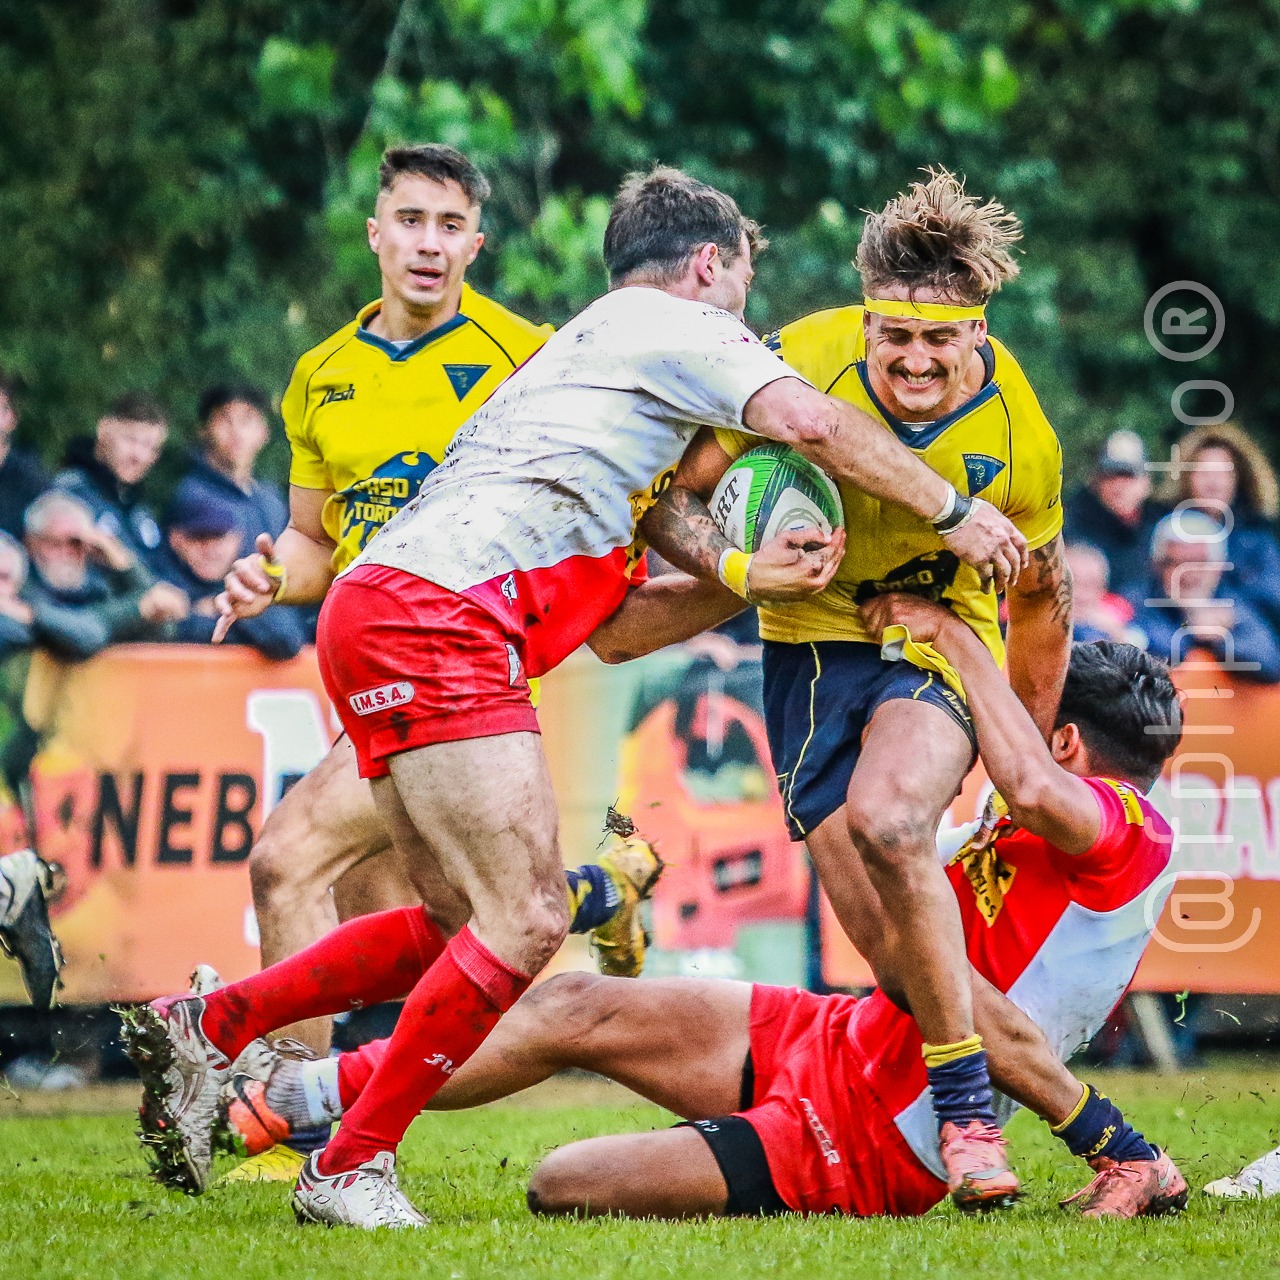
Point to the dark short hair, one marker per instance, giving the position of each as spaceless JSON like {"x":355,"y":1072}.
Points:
{"x":438,"y":162}
{"x":215,"y":398}
{"x":137,"y":406}
{"x":1126,"y":707}
{"x":659,"y":219}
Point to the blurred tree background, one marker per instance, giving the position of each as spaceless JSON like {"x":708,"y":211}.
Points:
{"x":183,"y":184}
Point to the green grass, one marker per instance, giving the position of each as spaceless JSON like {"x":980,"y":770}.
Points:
{"x":74,"y":1203}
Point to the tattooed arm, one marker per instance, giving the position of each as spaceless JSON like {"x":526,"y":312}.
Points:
{"x":680,"y":529}
{"x":1039,"y":640}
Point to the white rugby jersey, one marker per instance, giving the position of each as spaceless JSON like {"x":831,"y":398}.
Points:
{"x":534,"y":507}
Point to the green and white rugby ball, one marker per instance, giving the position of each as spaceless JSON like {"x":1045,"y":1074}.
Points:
{"x":770,"y":490}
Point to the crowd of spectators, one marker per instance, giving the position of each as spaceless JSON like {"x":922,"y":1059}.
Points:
{"x":1191,"y":565}
{"x":87,"y":561}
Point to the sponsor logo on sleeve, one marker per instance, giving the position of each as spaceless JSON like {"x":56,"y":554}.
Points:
{"x":383,"y":698}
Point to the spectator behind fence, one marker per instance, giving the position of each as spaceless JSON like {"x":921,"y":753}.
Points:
{"x":86,"y":589}
{"x":233,"y":431}
{"x":1185,"y":605}
{"x":204,"y":538}
{"x":106,"y":473}
{"x":1219,"y":470}
{"x":22,"y":477}
{"x":1097,"y":613}
{"x":16,"y":615}
{"x":1115,"y":512}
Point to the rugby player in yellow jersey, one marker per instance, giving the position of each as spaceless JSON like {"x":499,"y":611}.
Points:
{"x":870,"y":752}
{"x":369,"y":412}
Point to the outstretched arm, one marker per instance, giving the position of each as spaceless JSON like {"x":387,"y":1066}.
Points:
{"x":851,"y":445}
{"x":660,"y":612}
{"x":1043,"y":798}
{"x":1039,"y":642}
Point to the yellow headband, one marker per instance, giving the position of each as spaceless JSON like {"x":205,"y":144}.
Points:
{"x":922,"y":310}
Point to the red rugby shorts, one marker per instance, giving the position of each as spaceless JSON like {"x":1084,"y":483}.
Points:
{"x":408,"y":663}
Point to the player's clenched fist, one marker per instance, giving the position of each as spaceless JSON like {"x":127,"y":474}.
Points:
{"x":990,"y":542}
{"x":798,"y":563}
{"x":249,"y":589}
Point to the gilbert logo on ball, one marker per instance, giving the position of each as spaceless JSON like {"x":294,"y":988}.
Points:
{"x":770,"y":490}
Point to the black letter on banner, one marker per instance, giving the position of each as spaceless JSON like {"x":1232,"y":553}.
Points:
{"x":172,"y":815}
{"x":229,"y":818}
{"x":125,"y":821}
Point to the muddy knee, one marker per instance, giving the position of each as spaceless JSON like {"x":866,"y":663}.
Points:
{"x":558,"y":1185}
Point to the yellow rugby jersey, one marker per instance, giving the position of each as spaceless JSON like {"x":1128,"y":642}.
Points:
{"x":368,"y":422}
{"x":998,"y":446}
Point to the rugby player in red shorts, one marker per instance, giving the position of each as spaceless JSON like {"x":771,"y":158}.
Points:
{"x":830,"y":1111}
{"x":513,"y":553}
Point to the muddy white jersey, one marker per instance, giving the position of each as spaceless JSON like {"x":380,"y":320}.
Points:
{"x":534,"y":507}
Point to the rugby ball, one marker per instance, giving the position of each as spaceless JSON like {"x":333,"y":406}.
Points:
{"x":770,"y":490}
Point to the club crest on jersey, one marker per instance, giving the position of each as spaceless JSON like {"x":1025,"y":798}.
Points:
{"x":334,"y":394}
{"x":369,"y":503}
{"x":981,"y":470}
{"x":463,"y":377}
{"x":989,"y":877}
{"x":383,"y":698}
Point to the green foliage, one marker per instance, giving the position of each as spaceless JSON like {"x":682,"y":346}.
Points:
{"x":202,"y":212}
{"x":77,"y":1204}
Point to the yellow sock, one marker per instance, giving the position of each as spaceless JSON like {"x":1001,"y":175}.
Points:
{"x":938,"y":1055}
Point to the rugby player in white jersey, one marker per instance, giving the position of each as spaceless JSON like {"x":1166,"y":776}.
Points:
{"x":513,"y":553}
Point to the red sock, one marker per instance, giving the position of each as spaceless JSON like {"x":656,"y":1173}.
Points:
{"x":365,"y":961}
{"x":445,"y":1020}
{"x":356,"y":1068}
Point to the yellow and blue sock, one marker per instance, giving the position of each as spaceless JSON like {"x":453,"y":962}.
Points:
{"x":1096,"y":1128}
{"x":593,"y":897}
{"x":959,"y":1081}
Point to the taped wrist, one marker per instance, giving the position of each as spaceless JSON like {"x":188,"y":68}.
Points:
{"x":957,"y":513}
{"x":276,"y":573}
{"x":733,"y":569}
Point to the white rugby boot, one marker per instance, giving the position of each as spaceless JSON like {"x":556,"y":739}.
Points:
{"x":1257,"y":1181}
{"x":182,"y":1075}
{"x":367,"y":1197}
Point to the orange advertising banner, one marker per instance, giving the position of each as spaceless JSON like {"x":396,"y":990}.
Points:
{"x":158,"y":766}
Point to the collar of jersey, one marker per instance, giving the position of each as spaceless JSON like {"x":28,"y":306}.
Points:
{"x":925,"y":436}
{"x":397,"y":354}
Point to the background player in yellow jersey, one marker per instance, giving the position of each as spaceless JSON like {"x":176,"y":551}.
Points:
{"x":870,"y":752}
{"x":369,"y":412}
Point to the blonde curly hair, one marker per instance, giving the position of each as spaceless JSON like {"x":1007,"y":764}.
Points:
{"x":936,"y":236}
{"x":1256,"y":487}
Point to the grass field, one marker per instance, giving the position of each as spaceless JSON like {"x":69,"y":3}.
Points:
{"x":75,"y":1203}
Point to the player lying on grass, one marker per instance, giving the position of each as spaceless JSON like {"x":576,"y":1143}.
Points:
{"x":869,"y":753}
{"x":1257,"y":1181}
{"x":518,"y":546}
{"x":818,"y":1103}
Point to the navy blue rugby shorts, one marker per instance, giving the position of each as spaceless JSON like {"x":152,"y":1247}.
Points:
{"x":818,"y":699}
